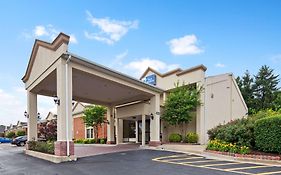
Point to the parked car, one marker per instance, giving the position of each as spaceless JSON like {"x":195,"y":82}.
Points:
{"x":5,"y":140}
{"x":19,"y":141}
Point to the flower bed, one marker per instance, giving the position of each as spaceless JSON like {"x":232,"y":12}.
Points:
{"x":252,"y":156}
{"x":222,"y":146}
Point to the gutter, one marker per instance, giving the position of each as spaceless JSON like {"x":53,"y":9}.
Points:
{"x":67,"y":107}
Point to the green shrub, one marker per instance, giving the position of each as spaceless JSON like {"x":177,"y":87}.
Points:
{"x":103,"y":140}
{"x":267,"y":132}
{"x":240,"y":131}
{"x":191,"y":137}
{"x":44,"y":147}
{"x":21,"y":133}
{"x":175,"y":137}
{"x":11,"y":134}
{"x":79,"y":141}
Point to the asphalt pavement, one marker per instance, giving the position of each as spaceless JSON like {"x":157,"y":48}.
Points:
{"x":137,"y":162}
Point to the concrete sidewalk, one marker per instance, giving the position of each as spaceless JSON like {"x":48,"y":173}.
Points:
{"x":196,"y":149}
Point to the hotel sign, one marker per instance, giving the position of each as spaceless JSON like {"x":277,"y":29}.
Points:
{"x":150,"y":79}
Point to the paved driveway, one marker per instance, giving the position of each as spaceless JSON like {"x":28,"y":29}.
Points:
{"x":136,"y":162}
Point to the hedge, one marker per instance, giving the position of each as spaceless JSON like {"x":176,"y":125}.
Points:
{"x":44,"y":147}
{"x":267,"y":132}
{"x":174,"y":137}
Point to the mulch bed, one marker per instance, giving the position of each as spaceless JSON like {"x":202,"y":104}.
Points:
{"x":253,"y":155}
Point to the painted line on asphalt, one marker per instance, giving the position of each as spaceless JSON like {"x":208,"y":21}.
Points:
{"x":172,"y":156}
{"x":249,"y":167}
{"x":272,"y":172}
{"x":200,"y":166}
{"x":221,"y":164}
{"x":201,"y":161}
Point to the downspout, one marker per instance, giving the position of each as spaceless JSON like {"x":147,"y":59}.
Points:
{"x":66,"y":108}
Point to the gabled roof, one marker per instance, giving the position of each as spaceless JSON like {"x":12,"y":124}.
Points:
{"x":58,"y":41}
{"x":177,"y":71}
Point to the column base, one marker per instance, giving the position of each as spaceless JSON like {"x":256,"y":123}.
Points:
{"x":110,"y":142}
{"x":154,"y":143}
{"x":61,"y":148}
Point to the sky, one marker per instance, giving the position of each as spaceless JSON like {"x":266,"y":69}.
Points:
{"x":128,"y":36}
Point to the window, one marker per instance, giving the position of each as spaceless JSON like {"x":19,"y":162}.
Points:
{"x":90,"y":133}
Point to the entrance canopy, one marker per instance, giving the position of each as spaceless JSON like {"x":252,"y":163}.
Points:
{"x":53,"y":71}
{"x":93,"y":83}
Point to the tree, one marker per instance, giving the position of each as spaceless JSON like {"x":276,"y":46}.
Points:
{"x":246,"y":87}
{"x":20,"y":133}
{"x":10,"y":134}
{"x":265,"y":88}
{"x":181,"y":103}
{"x":48,"y":130}
{"x":277,"y":101}
{"x":94,"y":116}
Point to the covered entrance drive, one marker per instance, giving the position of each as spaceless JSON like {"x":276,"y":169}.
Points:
{"x":54,"y":72}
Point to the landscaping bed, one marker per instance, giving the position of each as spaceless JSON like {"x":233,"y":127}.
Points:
{"x":258,"y":136}
{"x":253,"y":155}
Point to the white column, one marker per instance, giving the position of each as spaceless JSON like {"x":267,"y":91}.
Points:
{"x":110,"y":126}
{"x":143,"y":130}
{"x":65,"y":106}
{"x":117,"y":130}
{"x":121,"y":138}
{"x":137,"y":131}
{"x":155,"y":122}
{"x":32,"y":118}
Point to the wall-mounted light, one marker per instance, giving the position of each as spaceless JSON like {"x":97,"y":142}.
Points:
{"x":57,"y":100}
{"x":151,"y":116}
{"x":38,"y":116}
{"x":26,"y":114}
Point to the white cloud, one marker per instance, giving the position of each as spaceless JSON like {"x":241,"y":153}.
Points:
{"x":122,"y":55}
{"x":73,"y":39}
{"x":220,"y":65}
{"x":140,"y":65}
{"x":276,"y":58}
{"x":13,"y":105}
{"x":187,"y":45}
{"x":40,"y":31}
{"x":47,"y":31}
{"x":110,"y":30}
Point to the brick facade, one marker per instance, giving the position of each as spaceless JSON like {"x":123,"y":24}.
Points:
{"x":79,"y":129}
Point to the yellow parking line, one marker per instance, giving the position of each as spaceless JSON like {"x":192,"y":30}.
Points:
{"x":245,"y":168}
{"x":183,"y":158}
{"x":230,"y":163}
{"x":200,"y":161}
{"x":274,"y":172}
{"x":212,"y":168}
{"x":164,"y":157}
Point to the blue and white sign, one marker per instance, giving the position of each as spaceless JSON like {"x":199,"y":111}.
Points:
{"x":150,"y":79}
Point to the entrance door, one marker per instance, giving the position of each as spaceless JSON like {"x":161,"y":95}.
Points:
{"x":129,"y":131}
{"x":147,"y":131}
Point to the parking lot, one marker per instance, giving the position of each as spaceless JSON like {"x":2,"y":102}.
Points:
{"x":191,"y":160}
{"x":132,"y":162}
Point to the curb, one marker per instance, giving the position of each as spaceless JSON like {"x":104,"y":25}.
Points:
{"x":242,"y":159}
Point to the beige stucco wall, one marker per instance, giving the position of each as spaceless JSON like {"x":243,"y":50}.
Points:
{"x":133,"y":110}
{"x":223,"y":101}
{"x":182,"y":129}
{"x":44,"y":59}
{"x":168,"y":82}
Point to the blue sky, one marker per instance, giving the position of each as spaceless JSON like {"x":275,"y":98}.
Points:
{"x":225,"y":36}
